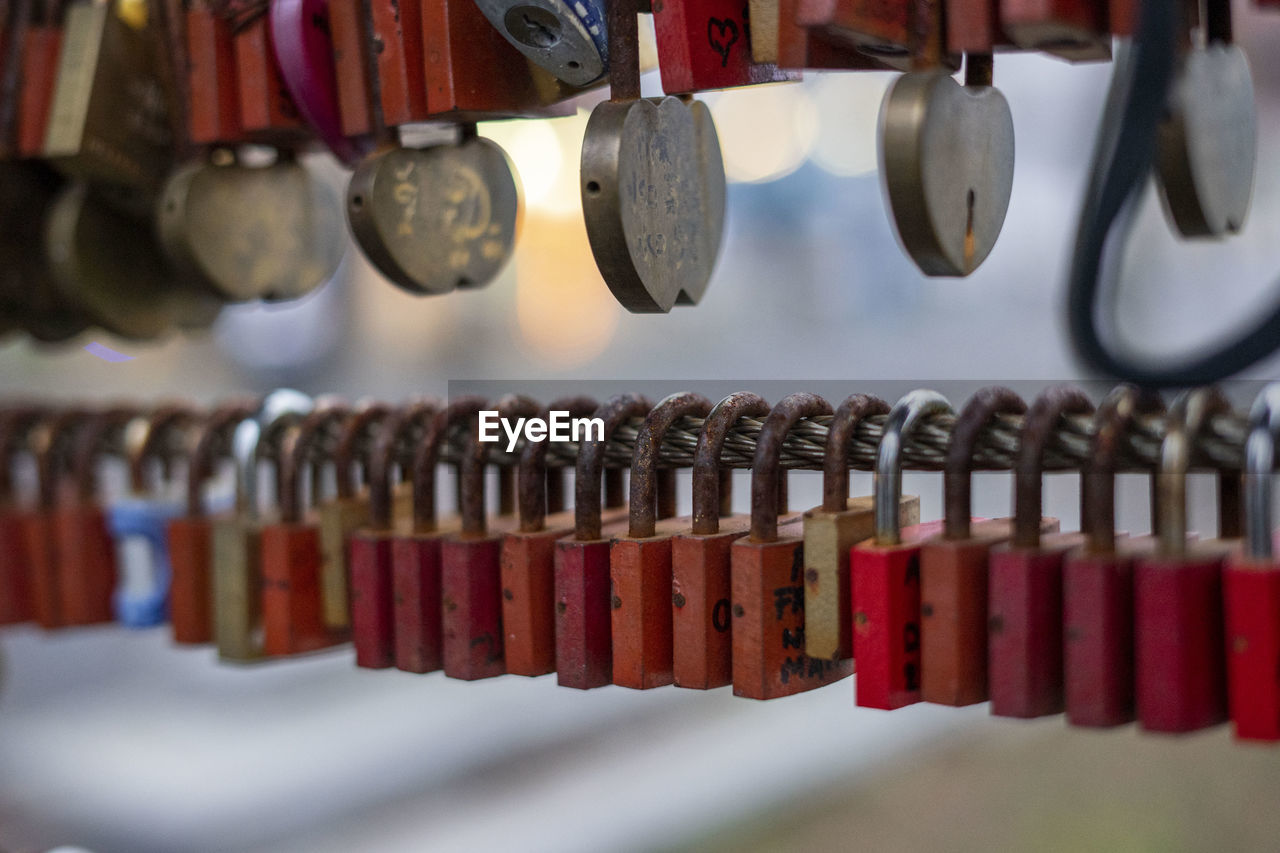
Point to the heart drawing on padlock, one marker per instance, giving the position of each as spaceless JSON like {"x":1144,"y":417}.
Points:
{"x":946,"y":153}
{"x":722,"y":35}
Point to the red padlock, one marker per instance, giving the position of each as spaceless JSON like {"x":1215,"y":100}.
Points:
{"x":1097,"y":579}
{"x":1076,"y":30}
{"x":1251,"y":588}
{"x":953,"y":567}
{"x":700,"y":563}
{"x":640,"y":562}
{"x":396,"y":29}
{"x":884,"y":572}
{"x":901,"y":35}
{"x":471,"y":565}
{"x":973,"y":26}
{"x":267,"y":112}
{"x":16,"y":424}
{"x":1024,"y":647}
{"x":213,"y":114}
{"x":41,"y":48}
{"x":190,"y":537}
{"x":1178,"y":624}
{"x":767,"y":577}
{"x":415,"y":558}
{"x":353,"y":45}
{"x":584,"y":636}
{"x":372,"y":611}
{"x":693,"y":57}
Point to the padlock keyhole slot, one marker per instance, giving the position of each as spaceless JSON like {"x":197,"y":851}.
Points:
{"x":968,"y":229}
{"x":534,"y":27}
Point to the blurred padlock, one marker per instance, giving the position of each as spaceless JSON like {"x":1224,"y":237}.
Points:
{"x":213,"y":110}
{"x":1076,"y":30}
{"x":905,"y":36}
{"x":16,"y":425}
{"x":267,"y":111}
{"x":354,"y":48}
{"x":41,"y":47}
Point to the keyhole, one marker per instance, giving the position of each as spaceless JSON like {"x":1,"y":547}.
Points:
{"x":968,"y":232}
{"x":533,"y":27}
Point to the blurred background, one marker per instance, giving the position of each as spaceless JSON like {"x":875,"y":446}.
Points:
{"x":115,"y":740}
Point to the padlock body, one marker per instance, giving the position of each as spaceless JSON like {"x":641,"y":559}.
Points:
{"x":350,"y":58}
{"x":528,"y":601}
{"x":471,"y":601}
{"x":338,"y":520}
{"x":702,"y":625}
{"x":694,"y":56}
{"x":213,"y":114}
{"x":15,"y":569}
{"x":86,"y":565}
{"x":237,"y":589}
{"x":397,"y":30}
{"x":885,"y":588}
{"x":39,"y":530}
{"x":292,"y":615}
{"x":190,"y":585}
{"x":1098,"y":650}
{"x":1071,"y":29}
{"x":640,"y":575}
{"x":265,"y":106}
{"x":41,"y":48}
{"x":415,"y":584}
{"x":1251,"y":603}
{"x":372,"y":610}
{"x":584,"y":633}
{"x":953,"y":620}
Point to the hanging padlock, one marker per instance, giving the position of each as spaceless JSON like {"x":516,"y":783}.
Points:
{"x":1075,"y":30}
{"x":905,"y":36}
{"x":372,"y":612}
{"x":1178,"y":621}
{"x":833,"y":528}
{"x":416,"y":562}
{"x":213,"y":113}
{"x":267,"y":111}
{"x":640,"y":561}
{"x":655,"y":248}
{"x":953,"y":567}
{"x":190,"y":537}
{"x":237,"y":563}
{"x":884,"y":572}
{"x":567,"y":39}
{"x":584,"y":635}
{"x":767,"y":577}
{"x":41,"y":46}
{"x":694,"y":57}
{"x":353,"y":59}
{"x":793,"y":34}
{"x":1097,"y":579}
{"x":1251,"y":588}
{"x":1024,"y":605}
{"x":16,"y":425}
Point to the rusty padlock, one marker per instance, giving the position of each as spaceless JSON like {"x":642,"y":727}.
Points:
{"x":1097,"y":578}
{"x":372,"y":611}
{"x":416,"y":563}
{"x":640,"y":561}
{"x":190,"y":537}
{"x":884,"y":572}
{"x":1251,"y":588}
{"x":832,"y":529}
{"x":16,"y":425}
{"x":471,"y":564}
{"x":767,"y":577}
{"x":1024,"y":605}
{"x":1178,"y":621}
{"x":953,"y":567}
{"x":584,"y":635}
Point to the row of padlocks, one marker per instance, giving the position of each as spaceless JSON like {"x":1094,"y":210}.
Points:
{"x":1175,"y":630}
{"x":174,"y":131}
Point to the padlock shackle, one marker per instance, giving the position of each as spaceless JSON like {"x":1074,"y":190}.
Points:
{"x":532,"y":471}
{"x":1259,"y":465}
{"x":709,"y":486}
{"x":52,"y":443}
{"x":903,"y":418}
{"x":1028,"y":468}
{"x":476,"y":456}
{"x":624,"y":49}
{"x":302,"y":445}
{"x":257,"y":439}
{"x":211,"y":442}
{"x":405,"y":425}
{"x":100,"y":436}
{"x":1188,"y":417}
{"x":766,"y":468}
{"x":426,"y":456}
{"x":152,"y":437}
{"x":355,"y":443}
{"x":16,"y":424}
{"x":643,"y":512}
{"x":616,"y":411}
{"x":835,"y":458}
{"x":1112,"y":422}
{"x":957,"y":487}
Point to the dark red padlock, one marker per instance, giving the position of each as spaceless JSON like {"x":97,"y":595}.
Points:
{"x":41,"y":48}
{"x":372,"y":610}
{"x":1178,"y":619}
{"x":701,"y":583}
{"x":1097,"y":578}
{"x":584,"y":633}
{"x":1024,"y":645}
{"x":416,"y":559}
{"x":953,"y":566}
{"x":213,"y":111}
{"x":1251,"y":588}
{"x":767,"y":577}
{"x":884,"y":572}
{"x":695,"y":57}
{"x":16,"y":424}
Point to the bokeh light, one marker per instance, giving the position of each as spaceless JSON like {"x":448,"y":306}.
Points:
{"x":848,"y":107}
{"x":766,"y":132}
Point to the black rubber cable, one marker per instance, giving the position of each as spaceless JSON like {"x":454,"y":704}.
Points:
{"x":1122,"y":161}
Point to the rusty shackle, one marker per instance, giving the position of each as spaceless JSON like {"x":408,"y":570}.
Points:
{"x":1028,"y":470}
{"x":586,"y":486}
{"x":708,"y":483}
{"x":533,"y":486}
{"x":981,"y":409}
{"x":766,"y":467}
{"x":835,"y":458}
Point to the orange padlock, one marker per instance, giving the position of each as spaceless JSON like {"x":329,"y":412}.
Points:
{"x":584,"y":634}
{"x":16,"y":424}
{"x":213,"y":114}
{"x":767,"y":577}
{"x":395,"y":27}
{"x":354,"y":45}
{"x":267,"y":111}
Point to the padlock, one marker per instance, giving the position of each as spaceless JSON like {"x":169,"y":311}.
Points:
{"x":471,"y":565}
{"x":1076,"y":30}
{"x":1207,"y":143}
{"x":1251,"y":588}
{"x":905,"y":36}
{"x":1178,"y":621}
{"x":973,"y":26}
{"x":640,"y":561}
{"x":144,"y":515}
{"x":767,"y":577}
{"x":41,"y":46}
{"x":1024,"y":605}
{"x":354,"y":48}
{"x":237,"y":559}
{"x":292,"y":606}
{"x":190,"y":537}
{"x":16,"y":425}
{"x":395,"y":31}
{"x":416,"y":560}
{"x":833,"y":528}
{"x":694,"y":57}
{"x":953,"y":567}
{"x":584,"y":634}
{"x":372,"y":612}
{"x":528,"y":555}
{"x":884,"y":572}
{"x":655,"y":248}
{"x":267,"y":111}
{"x":1097,"y":579}
{"x":567,"y":39}
{"x":213,"y":113}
